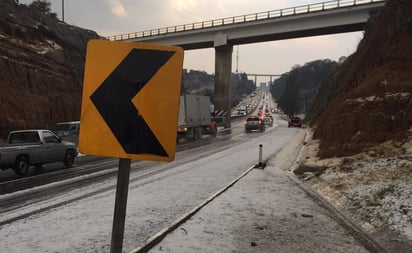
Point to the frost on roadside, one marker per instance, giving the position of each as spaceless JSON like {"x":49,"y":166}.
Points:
{"x":375,"y":193}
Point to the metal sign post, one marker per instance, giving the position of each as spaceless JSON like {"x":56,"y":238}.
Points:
{"x":120,"y":205}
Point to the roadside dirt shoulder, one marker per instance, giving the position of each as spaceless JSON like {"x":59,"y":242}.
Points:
{"x":372,"y":189}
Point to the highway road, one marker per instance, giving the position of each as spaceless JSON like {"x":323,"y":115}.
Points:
{"x":73,"y":212}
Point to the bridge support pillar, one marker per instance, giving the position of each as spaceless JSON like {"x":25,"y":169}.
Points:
{"x":223,"y":80}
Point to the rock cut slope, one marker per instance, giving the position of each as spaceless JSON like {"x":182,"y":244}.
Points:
{"x":370,"y":101}
{"x":360,"y":157}
{"x":41,"y":68}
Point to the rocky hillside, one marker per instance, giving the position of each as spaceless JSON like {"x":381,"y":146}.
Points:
{"x":41,"y":68}
{"x":360,"y":159}
{"x":368,"y":101}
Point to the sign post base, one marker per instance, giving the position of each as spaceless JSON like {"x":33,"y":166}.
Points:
{"x":120,"y":205}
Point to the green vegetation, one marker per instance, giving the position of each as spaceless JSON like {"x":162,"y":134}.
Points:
{"x":241,"y":87}
{"x":296,"y":90}
{"x":290,"y":100}
{"x":43,"y":6}
{"x":320,"y":171}
{"x":245,"y":85}
{"x":202,"y":83}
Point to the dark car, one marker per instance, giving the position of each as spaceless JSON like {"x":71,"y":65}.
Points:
{"x":254,"y":123}
{"x":68,"y":131}
{"x":268,"y":120}
{"x":63,"y":129}
{"x":294,"y":121}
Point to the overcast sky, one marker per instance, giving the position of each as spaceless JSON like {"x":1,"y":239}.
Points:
{"x":112,"y":17}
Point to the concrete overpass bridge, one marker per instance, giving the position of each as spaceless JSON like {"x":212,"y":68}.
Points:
{"x":331,"y":17}
{"x":255,"y":76}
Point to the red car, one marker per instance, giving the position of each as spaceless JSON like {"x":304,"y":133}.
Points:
{"x":294,"y":121}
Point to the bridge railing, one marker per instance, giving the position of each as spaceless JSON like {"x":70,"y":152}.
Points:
{"x":323,"y":6}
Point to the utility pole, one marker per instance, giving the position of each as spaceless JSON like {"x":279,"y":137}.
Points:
{"x":237,"y":58}
{"x":63,"y":10}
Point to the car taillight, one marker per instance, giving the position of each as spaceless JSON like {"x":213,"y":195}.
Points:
{"x":182,"y":129}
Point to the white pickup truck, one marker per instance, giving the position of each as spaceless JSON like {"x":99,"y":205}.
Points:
{"x":35,"y":147}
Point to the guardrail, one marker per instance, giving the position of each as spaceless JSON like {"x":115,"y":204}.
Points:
{"x":304,"y":9}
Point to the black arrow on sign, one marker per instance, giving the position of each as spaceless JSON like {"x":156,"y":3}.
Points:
{"x":113,"y":99}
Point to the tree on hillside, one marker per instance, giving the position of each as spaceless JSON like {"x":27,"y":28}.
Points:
{"x":278,"y":85}
{"x":305,"y":80}
{"x":289,"y":100}
{"x":245,"y":86}
{"x":43,"y":6}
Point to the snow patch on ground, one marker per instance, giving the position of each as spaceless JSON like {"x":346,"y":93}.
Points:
{"x":375,"y":192}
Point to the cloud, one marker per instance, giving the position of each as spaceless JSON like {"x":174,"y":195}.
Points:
{"x":117,"y":8}
{"x":184,"y":5}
